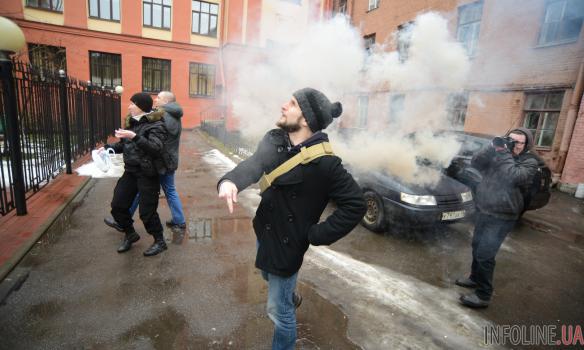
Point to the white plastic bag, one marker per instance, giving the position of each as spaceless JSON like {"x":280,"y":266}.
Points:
{"x":105,"y":164}
{"x":102,"y":159}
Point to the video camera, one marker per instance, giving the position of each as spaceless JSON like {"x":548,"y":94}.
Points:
{"x":504,"y":141}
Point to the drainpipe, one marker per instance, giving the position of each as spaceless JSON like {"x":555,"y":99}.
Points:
{"x":571,"y":118}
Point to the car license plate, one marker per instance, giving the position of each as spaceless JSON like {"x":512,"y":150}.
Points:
{"x":453,"y":215}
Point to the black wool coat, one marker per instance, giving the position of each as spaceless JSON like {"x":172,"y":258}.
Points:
{"x":143,"y":153}
{"x":287,"y":218}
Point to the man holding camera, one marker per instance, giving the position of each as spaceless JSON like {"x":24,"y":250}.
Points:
{"x":508,"y":167}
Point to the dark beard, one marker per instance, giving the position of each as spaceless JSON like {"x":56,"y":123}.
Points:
{"x":289,"y":128}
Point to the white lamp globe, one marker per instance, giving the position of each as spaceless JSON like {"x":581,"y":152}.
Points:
{"x":12,"y":38}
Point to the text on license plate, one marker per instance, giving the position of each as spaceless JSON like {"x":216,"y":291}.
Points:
{"x":453,"y":215}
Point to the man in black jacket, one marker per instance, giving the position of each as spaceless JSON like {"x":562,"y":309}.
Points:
{"x":287,"y":218}
{"x":142,"y":144}
{"x":507,"y":170}
{"x":165,"y":101}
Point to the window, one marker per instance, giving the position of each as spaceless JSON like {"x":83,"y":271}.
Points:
{"x":202,"y":80}
{"x":456,"y":107}
{"x":362,"y":105}
{"x":369,"y":43}
{"x":155,"y":75}
{"x":105,"y":69}
{"x":51,"y":5}
{"x":562,"y":21}
{"x":157,"y":13}
{"x":205,"y":18}
{"x":541,"y":112}
{"x":396,"y":107}
{"x":404,"y":35}
{"x":469,"y":24}
{"x":47,"y":58}
{"x":105,"y":9}
{"x":373,"y":4}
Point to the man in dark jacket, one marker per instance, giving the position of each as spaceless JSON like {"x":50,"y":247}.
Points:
{"x":165,"y":101}
{"x":507,"y":169}
{"x":142,"y":144}
{"x":287,"y":218}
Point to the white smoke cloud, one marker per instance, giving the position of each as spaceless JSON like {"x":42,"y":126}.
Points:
{"x":330,"y":57}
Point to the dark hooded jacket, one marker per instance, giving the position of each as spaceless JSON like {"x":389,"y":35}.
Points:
{"x":505,"y":177}
{"x":287,"y":218}
{"x":172,"y":119}
{"x":143,"y":153}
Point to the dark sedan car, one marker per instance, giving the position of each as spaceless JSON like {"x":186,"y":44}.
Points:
{"x":460,"y":169}
{"x":391,"y":202}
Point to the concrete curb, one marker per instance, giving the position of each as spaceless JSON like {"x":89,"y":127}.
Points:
{"x":11,"y":263}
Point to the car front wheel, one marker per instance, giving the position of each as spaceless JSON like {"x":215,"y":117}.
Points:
{"x":374,"y":218}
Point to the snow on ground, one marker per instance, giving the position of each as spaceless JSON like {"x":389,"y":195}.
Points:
{"x":383,"y":296}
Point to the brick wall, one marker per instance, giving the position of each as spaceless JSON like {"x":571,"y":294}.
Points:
{"x":496,"y":112}
{"x":509,"y":60}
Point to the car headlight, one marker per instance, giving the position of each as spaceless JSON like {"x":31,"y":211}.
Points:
{"x":417,"y":200}
{"x":466,"y":196}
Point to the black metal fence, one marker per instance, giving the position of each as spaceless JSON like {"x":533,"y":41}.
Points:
{"x":233,"y":140}
{"x":46,"y":121}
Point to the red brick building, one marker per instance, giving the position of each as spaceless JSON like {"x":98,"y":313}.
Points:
{"x":149,"y":45}
{"x":527,"y":67}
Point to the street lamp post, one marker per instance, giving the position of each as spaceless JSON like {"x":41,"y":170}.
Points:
{"x":12,"y":41}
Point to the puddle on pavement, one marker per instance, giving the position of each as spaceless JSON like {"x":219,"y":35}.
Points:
{"x":205,"y":229}
{"x":169,"y":330}
{"x":46,"y":310}
{"x":321,"y":325}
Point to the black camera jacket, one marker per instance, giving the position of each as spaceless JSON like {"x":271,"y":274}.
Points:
{"x":505,"y":177}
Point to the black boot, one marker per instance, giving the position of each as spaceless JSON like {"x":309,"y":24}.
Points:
{"x":157,"y":247}
{"x":130,"y":238}
{"x":113,"y":224}
{"x":465,"y":282}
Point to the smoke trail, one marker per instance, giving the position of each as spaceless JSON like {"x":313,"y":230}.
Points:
{"x":330,"y":56}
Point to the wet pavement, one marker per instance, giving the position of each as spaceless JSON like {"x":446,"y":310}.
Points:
{"x":371,"y":291}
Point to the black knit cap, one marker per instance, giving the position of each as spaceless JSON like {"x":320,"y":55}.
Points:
{"x":143,"y":101}
{"x":316,"y":108}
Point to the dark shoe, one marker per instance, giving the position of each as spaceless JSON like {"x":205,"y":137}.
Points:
{"x":156,"y":248}
{"x":472,"y":300}
{"x":296,"y":299}
{"x":113,"y":224}
{"x":466,"y":283}
{"x":130,"y":239}
{"x":171,"y":224}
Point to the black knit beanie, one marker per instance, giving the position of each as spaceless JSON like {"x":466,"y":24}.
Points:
{"x":317,"y":109}
{"x":143,"y":101}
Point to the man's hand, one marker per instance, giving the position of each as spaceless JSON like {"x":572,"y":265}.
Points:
{"x":228,"y":191}
{"x":125,"y":134}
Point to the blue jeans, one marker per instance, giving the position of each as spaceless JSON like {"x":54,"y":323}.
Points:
{"x":281,"y":310}
{"x":489,"y":234}
{"x":176,"y":210}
